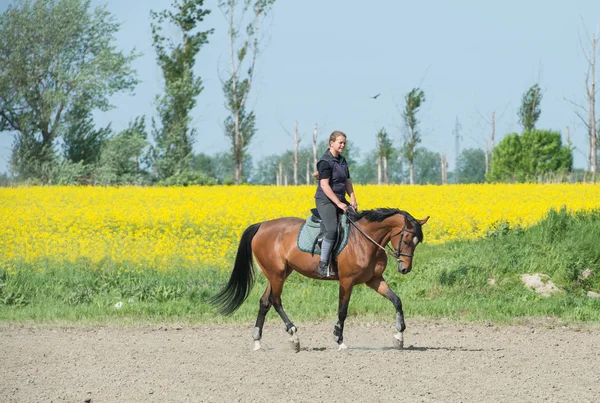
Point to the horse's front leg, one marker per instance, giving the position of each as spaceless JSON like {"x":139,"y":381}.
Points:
{"x":379,"y":285}
{"x":344,"y":299}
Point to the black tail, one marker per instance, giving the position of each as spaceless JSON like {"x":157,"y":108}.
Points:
{"x":242,"y":277}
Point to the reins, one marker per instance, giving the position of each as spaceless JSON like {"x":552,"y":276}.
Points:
{"x":395,"y":253}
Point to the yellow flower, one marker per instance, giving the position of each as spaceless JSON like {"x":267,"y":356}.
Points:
{"x":196,"y":227}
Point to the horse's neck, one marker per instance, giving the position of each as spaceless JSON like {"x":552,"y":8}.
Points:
{"x":379,"y":231}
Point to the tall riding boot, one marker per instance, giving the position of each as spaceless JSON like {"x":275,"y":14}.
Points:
{"x":324,"y":263}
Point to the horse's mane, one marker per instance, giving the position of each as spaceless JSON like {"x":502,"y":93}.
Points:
{"x":380,"y":214}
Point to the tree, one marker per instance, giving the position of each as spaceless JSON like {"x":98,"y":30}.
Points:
{"x":414,"y":99}
{"x":224,"y":164}
{"x":122,"y":160}
{"x":240,"y":124}
{"x":204,"y":164}
{"x":266,"y":170}
{"x":52,"y":54}
{"x":591,"y":54}
{"x":526,"y":157}
{"x":82,"y":142}
{"x":529,"y":113}
{"x":427,"y":167}
{"x":174,"y":139}
{"x":470,"y":166}
{"x":384,"y":151}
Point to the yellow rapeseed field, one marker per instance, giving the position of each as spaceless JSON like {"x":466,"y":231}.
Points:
{"x":198,"y":227}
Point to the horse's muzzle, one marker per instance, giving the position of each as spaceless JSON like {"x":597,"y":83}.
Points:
{"x":402,"y":269}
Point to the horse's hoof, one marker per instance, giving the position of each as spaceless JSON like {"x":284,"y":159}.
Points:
{"x":399,"y":341}
{"x":342,"y":347}
{"x":256,"y":345}
{"x":294,"y":340}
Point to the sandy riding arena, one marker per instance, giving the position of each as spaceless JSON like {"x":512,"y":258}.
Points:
{"x":442,"y":361}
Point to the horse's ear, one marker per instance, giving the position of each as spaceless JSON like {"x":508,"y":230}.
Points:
{"x":424,"y":220}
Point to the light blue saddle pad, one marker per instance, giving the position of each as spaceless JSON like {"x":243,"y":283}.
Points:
{"x":309,"y":232}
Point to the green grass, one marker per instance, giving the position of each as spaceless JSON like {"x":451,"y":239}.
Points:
{"x":448,"y":281}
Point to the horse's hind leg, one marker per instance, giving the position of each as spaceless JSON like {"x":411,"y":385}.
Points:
{"x":277,"y":288}
{"x":379,"y":285}
{"x":263,"y":309}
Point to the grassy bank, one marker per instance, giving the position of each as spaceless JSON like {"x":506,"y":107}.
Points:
{"x":462,"y":280}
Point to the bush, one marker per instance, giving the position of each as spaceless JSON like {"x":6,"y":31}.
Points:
{"x":188,"y":178}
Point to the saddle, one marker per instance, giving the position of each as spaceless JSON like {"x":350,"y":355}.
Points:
{"x":311,"y":235}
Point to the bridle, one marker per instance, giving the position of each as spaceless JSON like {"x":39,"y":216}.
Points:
{"x":391,"y":252}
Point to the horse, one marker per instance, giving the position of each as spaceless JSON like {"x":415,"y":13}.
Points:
{"x":363,"y":261}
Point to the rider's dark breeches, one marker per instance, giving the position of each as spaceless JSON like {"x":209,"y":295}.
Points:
{"x":328,"y":212}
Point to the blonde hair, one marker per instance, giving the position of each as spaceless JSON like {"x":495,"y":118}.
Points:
{"x":332,"y":138}
{"x":335,"y":135}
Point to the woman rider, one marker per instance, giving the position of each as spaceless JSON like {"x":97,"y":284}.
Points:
{"x":333,"y":184}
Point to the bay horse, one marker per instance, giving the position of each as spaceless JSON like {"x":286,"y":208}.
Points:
{"x":362,"y":261}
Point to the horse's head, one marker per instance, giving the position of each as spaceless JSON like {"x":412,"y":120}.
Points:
{"x":405,"y":239}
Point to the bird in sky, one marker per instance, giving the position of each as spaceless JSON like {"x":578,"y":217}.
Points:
{"x":375,"y":96}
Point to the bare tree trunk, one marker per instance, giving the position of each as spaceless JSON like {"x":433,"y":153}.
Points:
{"x":315,"y":159}
{"x":296,"y":146}
{"x":412,"y":158}
{"x":590,"y":87}
{"x":285,"y":176}
{"x":385,"y":175}
{"x":493,"y":130}
{"x":379,"y":159}
{"x":594,"y":130}
{"x":308,"y":171}
{"x":379,"y":173}
{"x":280,"y":172}
{"x":487,"y":158}
{"x":444,"y":169}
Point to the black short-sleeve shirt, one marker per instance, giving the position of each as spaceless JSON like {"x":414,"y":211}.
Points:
{"x":325,"y":170}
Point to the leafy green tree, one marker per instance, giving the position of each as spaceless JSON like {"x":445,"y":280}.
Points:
{"x":225,"y":167}
{"x":123,"y":157}
{"x":5,"y":180}
{"x":266,"y":170}
{"x":413,"y":99}
{"x":544,"y":153}
{"x":470,"y":166}
{"x":428,"y":168}
{"x":239,"y":127}
{"x":365,"y":172}
{"x":52,"y":53}
{"x":82,"y":142}
{"x":243,"y":51}
{"x":530,"y":111}
{"x":203,"y":163}
{"x":524,"y":158}
{"x":384,"y":151}
{"x":507,"y":160}
{"x":175,"y":138}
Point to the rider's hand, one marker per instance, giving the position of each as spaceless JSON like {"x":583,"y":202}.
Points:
{"x":343,"y":206}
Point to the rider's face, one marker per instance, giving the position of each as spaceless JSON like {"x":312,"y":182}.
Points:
{"x":339,"y":144}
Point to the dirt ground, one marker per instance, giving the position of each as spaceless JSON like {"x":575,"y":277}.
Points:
{"x":442,"y":362}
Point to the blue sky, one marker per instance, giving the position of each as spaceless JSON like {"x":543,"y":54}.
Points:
{"x":322,"y":61}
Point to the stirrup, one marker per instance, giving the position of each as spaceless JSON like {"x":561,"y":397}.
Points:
{"x":324,"y":270}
